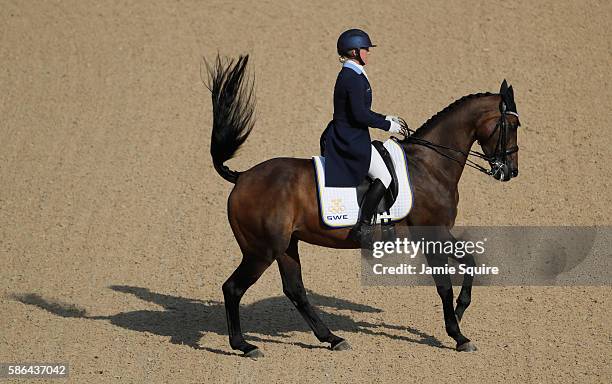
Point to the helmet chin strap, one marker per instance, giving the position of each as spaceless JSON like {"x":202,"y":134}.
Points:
{"x":357,"y":56}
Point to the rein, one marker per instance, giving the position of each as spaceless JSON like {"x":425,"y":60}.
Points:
{"x":498,"y":158}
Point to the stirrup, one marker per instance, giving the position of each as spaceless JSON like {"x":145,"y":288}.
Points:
{"x":363,"y":234}
{"x":387,"y":232}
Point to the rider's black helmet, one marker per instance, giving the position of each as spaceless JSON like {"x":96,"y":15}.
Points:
{"x":353,"y":39}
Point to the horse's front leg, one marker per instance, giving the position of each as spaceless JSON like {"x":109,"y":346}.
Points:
{"x":465,"y":296}
{"x":445,"y":290}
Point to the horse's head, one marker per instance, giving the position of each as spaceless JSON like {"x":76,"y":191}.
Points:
{"x":497,"y":133}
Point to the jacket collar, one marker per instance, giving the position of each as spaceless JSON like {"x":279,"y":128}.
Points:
{"x":355,"y":67}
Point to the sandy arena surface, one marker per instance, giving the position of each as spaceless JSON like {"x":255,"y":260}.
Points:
{"x":114,"y":240}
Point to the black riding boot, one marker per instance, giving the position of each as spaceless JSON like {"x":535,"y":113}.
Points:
{"x":363,"y":232}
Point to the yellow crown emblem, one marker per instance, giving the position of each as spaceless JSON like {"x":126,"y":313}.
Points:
{"x":336,"y":206}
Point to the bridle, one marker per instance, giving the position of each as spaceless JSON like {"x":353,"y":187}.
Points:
{"x":498,"y":159}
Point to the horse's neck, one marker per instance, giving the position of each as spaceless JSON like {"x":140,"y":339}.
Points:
{"x":457,"y":131}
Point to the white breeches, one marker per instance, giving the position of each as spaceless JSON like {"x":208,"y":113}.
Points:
{"x":378,"y":169}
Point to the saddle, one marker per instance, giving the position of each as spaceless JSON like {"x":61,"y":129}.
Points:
{"x":387,"y":226}
{"x":340,"y":206}
{"x":389,"y":198}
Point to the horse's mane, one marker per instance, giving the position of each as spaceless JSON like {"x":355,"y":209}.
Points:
{"x":451,"y":107}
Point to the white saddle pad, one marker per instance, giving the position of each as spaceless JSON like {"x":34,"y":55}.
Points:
{"x":338,"y":206}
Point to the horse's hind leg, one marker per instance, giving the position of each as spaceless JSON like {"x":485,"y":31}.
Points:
{"x":247,"y":273}
{"x":293,"y":287}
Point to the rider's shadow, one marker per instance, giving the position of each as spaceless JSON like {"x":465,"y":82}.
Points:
{"x":185,"y":320}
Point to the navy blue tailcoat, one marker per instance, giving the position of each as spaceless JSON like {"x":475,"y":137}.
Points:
{"x":347,"y":143}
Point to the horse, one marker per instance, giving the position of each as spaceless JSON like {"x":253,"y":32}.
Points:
{"x":273,"y":205}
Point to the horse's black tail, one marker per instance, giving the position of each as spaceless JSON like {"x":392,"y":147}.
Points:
{"x":233,"y":105}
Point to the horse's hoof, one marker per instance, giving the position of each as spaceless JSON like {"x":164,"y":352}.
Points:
{"x":467,"y":347}
{"x":254,"y":354}
{"x":341,"y":346}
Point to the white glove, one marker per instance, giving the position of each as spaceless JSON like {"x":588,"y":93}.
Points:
{"x":395,"y":127}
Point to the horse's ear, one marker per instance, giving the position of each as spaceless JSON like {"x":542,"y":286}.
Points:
{"x":504,"y":88}
{"x":512,"y":104}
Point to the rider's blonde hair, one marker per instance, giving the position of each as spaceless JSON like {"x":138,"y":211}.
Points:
{"x":343,"y":58}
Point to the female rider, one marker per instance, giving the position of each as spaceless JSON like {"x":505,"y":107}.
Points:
{"x":346,"y":144}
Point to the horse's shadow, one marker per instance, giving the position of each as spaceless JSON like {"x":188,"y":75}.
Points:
{"x":185,"y":320}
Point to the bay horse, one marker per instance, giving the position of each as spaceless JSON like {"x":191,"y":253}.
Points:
{"x":274,"y":205}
